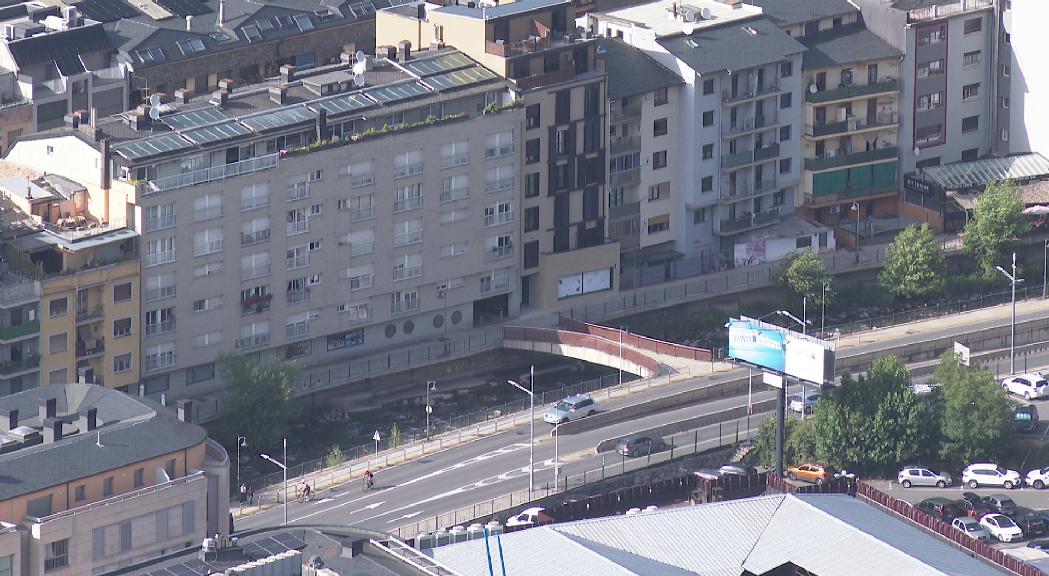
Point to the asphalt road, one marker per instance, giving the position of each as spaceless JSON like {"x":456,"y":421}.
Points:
{"x":498,"y":464}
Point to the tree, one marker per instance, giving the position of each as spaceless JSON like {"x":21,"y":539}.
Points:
{"x":334,"y":457}
{"x":996,"y":222}
{"x":798,"y":444}
{"x":914,"y":264}
{"x":395,"y":435}
{"x":257,"y":403}
{"x":806,"y":274}
{"x":976,"y":423}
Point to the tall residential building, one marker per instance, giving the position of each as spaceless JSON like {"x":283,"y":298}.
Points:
{"x":740,"y":114}
{"x":397,"y":189}
{"x":95,"y":480}
{"x":566,"y":255}
{"x":19,"y":327}
{"x":54,"y":62}
{"x":1028,"y":75}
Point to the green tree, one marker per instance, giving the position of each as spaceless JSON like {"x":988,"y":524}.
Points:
{"x":914,"y":264}
{"x":257,"y":403}
{"x":806,"y":274}
{"x":798,"y":442}
{"x":996,"y":223}
{"x":395,"y":435}
{"x":334,"y":457}
{"x":977,"y":416}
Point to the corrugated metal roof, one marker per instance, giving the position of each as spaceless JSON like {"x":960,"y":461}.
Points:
{"x":979,"y":173}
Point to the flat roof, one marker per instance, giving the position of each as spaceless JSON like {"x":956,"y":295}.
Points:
{"x":736,"y":46}
{"x":502,"y":10}
{"x":850,"y":44}
{"x":791,"y":12}
{"x":658,"y":16}
{"x":630,"y":71}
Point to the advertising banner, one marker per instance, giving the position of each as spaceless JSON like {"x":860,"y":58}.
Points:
{"x":765,"y":347}
{"x":780,"y":350}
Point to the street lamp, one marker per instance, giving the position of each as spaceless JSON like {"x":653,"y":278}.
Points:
{"x":794,"y":318}
{"x":1012,"y":323}
{"x":531,"y":423}
{"x":557,"y":464}
{"x":431,"y":386}
{"x":823,"y":311}
{"x":856,"y":207}
{"x":284,"y":467}
{"x":242,"y":442}
{"x":620,"y":355}
{"x":1045,"y":260}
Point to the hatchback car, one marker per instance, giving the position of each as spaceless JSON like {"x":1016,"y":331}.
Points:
{"x":989,"y":474}
{"x":571,"y":408}
{"x":640,"y":446}
{"x":971,"y":527}
{"x":974,"y":506}
{"x":1027,"y":385}
{"x":797,"y":403}
{"x":941,"y":508}
{"x":529,"y":517}
{"x":919,"y":476}
{"x":1001,"y":504}
{"x":814,"y":472}
{"x":1025,"y":418}
{"x":1033,"y":525}
{"x":1002,"y":527}
{"x":1038,"y":478}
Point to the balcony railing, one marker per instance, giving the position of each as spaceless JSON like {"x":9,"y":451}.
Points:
{"x":407,"y":273}
{"x":493,"y":284}
{"x":160,"y":292}
{"x":207,"y":213}
{"x":296,"y":262}
{"x":407,"y":204}
{"x":737,"y":159}
{"x":159,"y":362}
{"x":402,"y":306}
{"x":944,"y":10}
{"x":160,"y":223}
{"x":625,"y":114}
{"x":254,"y":237}
{"x":498,"y":253}
{"x":499,"y":218}
{"x":53,"y":86}
{"x":249,"y":166}
{"x":205,"y":248}
{"x":766,"y":152}
{"x":16,"y":331}
{"x":851,"y":124}
{"x":360,"y":214}
{"x":626,"y":177}
{"x":827,"y":161}
{"x":408,"y":170}
{"x":297,"y":296}
{"x":158,"y":258}
{"x":254,"y":203}
{"x":298,"y":330}
{"x":406,"y":238}
{"x":499,"y":185}
{"x":108,"y":75}
{"x":452,"y":194}
{"x":455,"y":160}
{"x":625,"y":144}
{"x":546,"y":79}
{"x":498,"y":151}
{"x":160,"y":328}
{"x":507,"y":49}
{"x":23,"y":364}
{"x":852,"y":91}
{"x":362,"y":179}
{"x":298,"y":227}
{"x":251,"y":342}
{"x":97,"y":348}
{"x":88,"y":314}
{"x":824,"y":199}
{"x":749,"y":222}
{"x":254,"y":272}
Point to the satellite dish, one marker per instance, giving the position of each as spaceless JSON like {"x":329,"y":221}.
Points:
{"x":154,"y":100}
{"x":813,"y":89}
{"x":688,"y":16}
{"x":359,"y":67}
{"x":705,"y":13}
{"x":358,"y":80}
{"x":687,"y":28}
{"x":917,"y":151}
{"x":359,"y":56}
{"x":154,"y":113}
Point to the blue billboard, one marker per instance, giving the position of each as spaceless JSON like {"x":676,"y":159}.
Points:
{"x":754,"y":344}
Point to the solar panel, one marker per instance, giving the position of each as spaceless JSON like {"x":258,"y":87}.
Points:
{"x":439,"y":64}
{"x":107,"y":10}
{"x":289,"y":540}
{"x":343,"y":104}
{"x":184,"y":8}
{"x":460,"y":78}
{"x":280,"y":118}
{"x":188,"y":120}
{"x":152,"y":146}
{"x":304,"y":22}
{"x":396,"y":92}
{"x":217,"y":132}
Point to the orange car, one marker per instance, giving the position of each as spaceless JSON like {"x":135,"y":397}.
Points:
{"x":814,"y":472}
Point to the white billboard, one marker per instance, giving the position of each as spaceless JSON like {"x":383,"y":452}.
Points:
{"x":807,"y":360}
{"x":782,"y":351}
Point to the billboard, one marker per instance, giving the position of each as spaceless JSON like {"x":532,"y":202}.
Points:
{"x":780,"y":350}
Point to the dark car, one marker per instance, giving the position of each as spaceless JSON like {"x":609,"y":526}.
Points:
{"x":941,"y":508}
{"x":1025,"y":418}
{"x":974,"y":506}
{"x":1032,"y":524}
{"x":640,"y":446}
{"x":1001,"y":504}
{"x":1039,"y":545}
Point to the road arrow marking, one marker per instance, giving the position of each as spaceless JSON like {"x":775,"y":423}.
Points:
{"x":371,"y":506}
{"x":406,"y":517}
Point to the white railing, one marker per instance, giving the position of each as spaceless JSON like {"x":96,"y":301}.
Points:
{"x":193,"y":476}
{"x":361,"y":282}
{"x":298,"y":262}
{"x":402,"y":306}
{"x":254,"y":272}
{"x":160,"y":328}
{"x":943,"y":10}
{"x":406,"y":238}
{"x":254,"y":203}
{"x":451,"y":194}
{"x":298,"y":227}
{"x":498,"y":252}
{"x":408,"y":170}
{"x":499,"y":218}
{"x":160,"y":362}
{"x":298,"y":329}
{"x":364,"y":213}
{"x":499,"y":185}
{"x":160,"y":223}
{"x":407,"y":204}
{"x":160,"y":293}
{"x":205,"y":248}
{"x":456,"y":160}
{"x":498,"y":151}
{"x":254,"y":237}
{"x":248,"y":342}
{"x":158,"y":258}
{"x":490,"y":284}
{"x":364,"y":179}
{"x":207,"y":213}
{"x":297,"y":296}
{"x":202,"y":176}
{"x":407,"y":273}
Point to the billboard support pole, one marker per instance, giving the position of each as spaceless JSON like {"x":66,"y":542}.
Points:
{"x":780,"y":416}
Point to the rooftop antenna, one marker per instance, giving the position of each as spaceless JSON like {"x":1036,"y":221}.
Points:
{"x":98,"y":440}
{"x":222,"y":12}
{"x":360,"y":65}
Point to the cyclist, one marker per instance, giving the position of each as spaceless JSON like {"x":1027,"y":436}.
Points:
{"x":369,"y":479}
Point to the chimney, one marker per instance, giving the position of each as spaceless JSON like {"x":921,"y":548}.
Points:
{"x":85,"y":117}
{"x":278,"y":93}
{"x":226,"y":85}
{"x":8,"y":419}
{"x":421,"y":14}
{"x":182,"y":96}
{"x":70,"y":15}
{"x":52,"y":430}
{"x":404,"y":51}
{"x":88,"y":420}
{"x":322,"y":124}
{"x":346,"y":58}
{"x":390,"y":52}
{"x":105,"y":177}
{"x":72,"y":121}
{"x":287,"y":73}
{"x":185,"y":410}
{"x":222,"y":12}
{"x":139,"y":120}
{"x":189,"y":22}
{"x":48,"y":408}
{"x":219,"y":98}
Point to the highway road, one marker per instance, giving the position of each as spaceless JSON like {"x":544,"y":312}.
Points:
{"x":498,"y":464}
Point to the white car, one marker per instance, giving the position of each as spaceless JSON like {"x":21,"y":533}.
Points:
{"x":971,"y":527}
{"x":529,"y":517}
{"x":796,"y":404}
{"x":990,"y":474}
{"x":1039,"y":478}
{"x":1002,"y":527}
{"x":1027,"y":385}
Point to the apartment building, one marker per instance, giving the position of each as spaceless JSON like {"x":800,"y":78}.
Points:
{"x":566,"y":255}
{"x":1029,"y":76}
{"x":740,"y":116}
{"x":643,"y":123}
{"x":72,"y":244}
{"x":397,"y":188}
{"x":54,"y":62}
{"x":19,"y":327}
{"x":95,"y":480}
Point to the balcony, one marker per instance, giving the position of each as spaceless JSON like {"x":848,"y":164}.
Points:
{"x":90,"y":350}
{"x":184,"y":180}
{"x":26,"y":363}
{"x":493,"y":152}
{"x":740,"y":95}
{"x":455,"y":160}
{"x":159,"y":362}
{"x":403,"y":306}
{"x":452,"y":194}
{"x":743,"y":125}
{"x":252,"y":342}
{"x":19,"y":331}
{"x":625,"y":178}
{"x":160,"y":292}
{"x":498,"y":253}
{"x":505,"y":49}
{"x":406,"y":238}
{"x":254,"y":305}
{"x":160,"y":328}
{"x":837,"y":197}
{"x":108,"y":75}
{"x":626,"y":114}
{"x":361,"y":214}
{"x":625,"y":144}
{"x":297,"y":296}
{"x":407,"y":204}
{"x":209,"y":213}
{"x":944,"y":10}
{"x":766,"y":152}
{"x":205,"y":248}
{"x":89,"y":315}
{"x":298,"y":330}
{"x":253,"y":272}
{"x":750,"y":222}
{"x":494,"y":284}
{"x":407,"y":273}
{"x":837,"y":160}
{"x":743,"y":190}
{"x":851,"y":91}
{"x":406,"y":170}
{"x":298,"y":227}
{"x":851,"y":124}
{"x":546,"y":79}
{"x":498,"y":185}
{"x":498,"y":218}
{"x":737,"y":159}
{"x":158,"y":258}
{"x":52,"y":87}
{"x":160,"y":223}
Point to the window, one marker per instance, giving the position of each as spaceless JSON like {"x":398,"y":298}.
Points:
{"x":107,"y":486}
{"x":160,"y":251}
{"x":122,"y":327}
{"x":785,"y":100}
{"x":707,"y":184}
{"x":455,"y":153}
{"x":208,"y":339}
{"x":970,"y":124}
{"x":254,"y":197}
{"x":971,"y":58}
{"x":362,"y":173}
{"x":298,"y":188}
{"x":658,"y":224}
{"x":140,"y":480}
{"x":1005,"y":102}
{"x":407,"y":164}
{"x":56,"y":555}
{"x":532,"y":116}
{"x":58,"y":343}
{"x":659,"y":159}
{"x":207,"y":207}
{"x":1005,"y":69}
{"x":531,"y":219}
{"x":699,"y":215}
{"x":408,"y":267}
{"x":79,"y":493}
{"x":499,"y":144}
{"x":201,"y":373}
{"x":122,"y":292}
{"x":207,"y":242}
{"x":1004,"y":135}
{"x":455,"y":249}
{"x":531,"y":185}
{"x":160,"y":321}
{"x":500,"y":213}
{"x":708,"y":118}
{"x":408,"y":197}
{"x":499,"y":179}
{"x":973,"y":25}
{"x":361,"y":277}
{"x":122,"y":363}
{"x":39,"y":507}
{"x":784,"y":133}
{"x":355,"y":311}
{"x":58,"y":307}
{"x":346,"y":340}
{"x":659,"y":127}
{"x":532,"y":151}
{"x":931,"y":68}
{"x":970,"y":154}
{"x":927,"y":134}
{"x":708,"y":86}
{"x":531,"y":254}
{"x":661,"y":96}
{"x":930,"y":101}
{"x":786,"y":69}
{"x":160,"y":217}
{"x":784,"y":166}
{"x":404,"y":301}
{"x":970,"y":91}
{"x":708,"y":151}
{"x":58,"y":376}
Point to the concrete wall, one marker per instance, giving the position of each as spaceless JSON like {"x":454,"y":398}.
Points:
{"x":64,"y":155}
{"x":582,"y":346}
{"x":1029,"y":129}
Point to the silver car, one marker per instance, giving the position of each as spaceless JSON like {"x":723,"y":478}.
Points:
{"x":972,"y":528}
{"x":571,"y":408}
{"x":921,"y":476}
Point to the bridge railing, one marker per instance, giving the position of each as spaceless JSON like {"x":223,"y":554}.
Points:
{"x":636,"y":340}
{"x":588,"y":341}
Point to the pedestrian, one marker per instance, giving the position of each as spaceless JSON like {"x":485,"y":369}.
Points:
{"x":251,"y":495}
{"x":243,"y":493}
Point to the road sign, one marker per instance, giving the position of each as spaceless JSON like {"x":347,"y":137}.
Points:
{"x":774,"y":380}
{"x":429,"y":409}
{"x":376,"y":436}
{"x":962,"y":352}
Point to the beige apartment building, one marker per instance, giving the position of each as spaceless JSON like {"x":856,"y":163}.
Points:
{"x":96,"y":480}
{"x":566,"y":255}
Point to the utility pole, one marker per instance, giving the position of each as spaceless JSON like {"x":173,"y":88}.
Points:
{"x":1013,"y":280}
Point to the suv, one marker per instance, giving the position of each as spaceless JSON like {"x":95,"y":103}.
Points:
{"x":1030,"y":522}
{"x":571,"y":408}
{"x":1001,"y":504}
{"x":919,"y":476}
{"x":797,"y":403}
{"x":974,"y":505}
{"x":1038,"y":477}
{"x":640,"y":446}
{"x":941,"y":508}
{"x":1025,"y":418}
{"x":1027,"y":385}
{"x":814,"y":472}
{"x":989,"y":474}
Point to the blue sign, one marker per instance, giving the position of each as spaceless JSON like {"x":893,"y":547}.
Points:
{"x":756,"y":345}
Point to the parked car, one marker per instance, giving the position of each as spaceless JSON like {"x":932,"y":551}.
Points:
{"x":971,"y":527}
{"x":1039,"y":545}
{"x":797,"y":403}
{"x":1002,"y":527}
{"x":974,"y":506}
{"x":920,"y":476}
{"x":733,"y":469}
{"x":941,"y":508}
{"x":1027,"y":385}
{"x":536,"y":516}
{"x":1032,"y":523}
{"x":640,"y":446}
{"x":815,"y":472}
{"x":571,"y":408}
{"x":1025,"y":418}
{"x":990,"y":474}
{"x":1001,"y":504}
{"x":1038,"y":478}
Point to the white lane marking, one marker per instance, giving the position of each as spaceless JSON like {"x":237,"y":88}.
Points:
{"x":325,"y":500}
{"x":371,"y":506}
{"x":406,"y":516}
